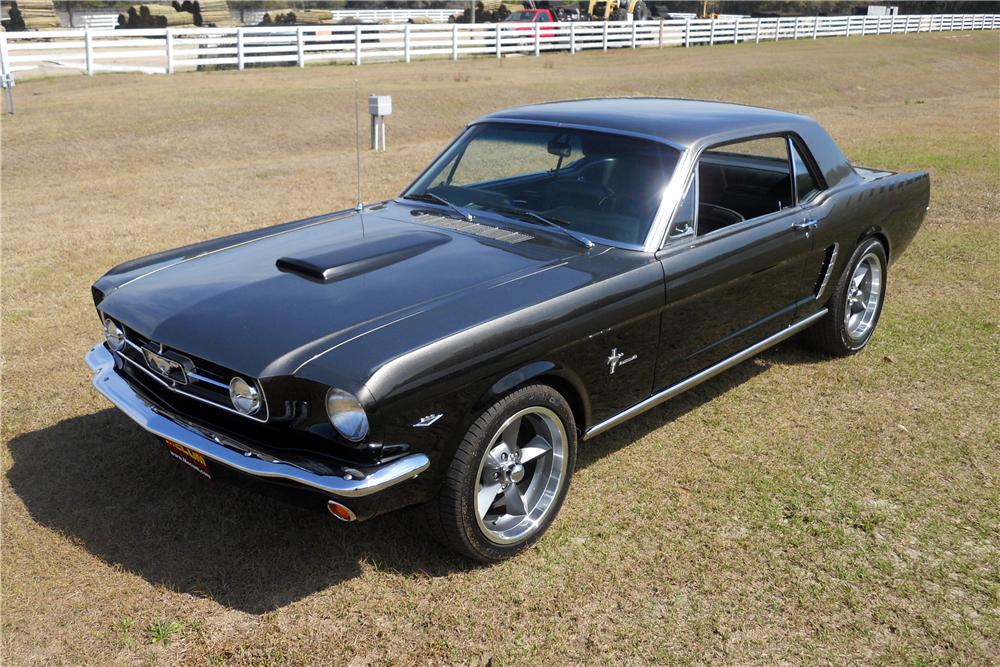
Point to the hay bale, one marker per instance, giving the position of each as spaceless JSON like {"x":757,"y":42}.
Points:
{"x":311,"y":17}
{"x":33,"y":15}
{"x":278,"y":17}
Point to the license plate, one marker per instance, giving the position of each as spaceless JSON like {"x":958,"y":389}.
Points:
{"x":188,"y":456}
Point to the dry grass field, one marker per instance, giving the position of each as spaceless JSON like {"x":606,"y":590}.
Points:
{"x":794,"y":510}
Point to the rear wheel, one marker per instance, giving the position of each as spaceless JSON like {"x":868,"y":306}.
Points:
{"x":856,"y":303}
{"x":509,"y":476}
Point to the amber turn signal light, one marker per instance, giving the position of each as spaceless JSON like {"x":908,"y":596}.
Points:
{"x":342,"y":512}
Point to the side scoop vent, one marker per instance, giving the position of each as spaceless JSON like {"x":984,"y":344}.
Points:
{"x":474,"y":228}
{"x":361,"y":257}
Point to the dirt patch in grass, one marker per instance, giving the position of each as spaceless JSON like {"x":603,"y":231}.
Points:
{"x":795,"y":509}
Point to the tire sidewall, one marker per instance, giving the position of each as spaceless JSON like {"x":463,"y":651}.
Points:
{"x":839,"y":300}
{"x":531,"y":396}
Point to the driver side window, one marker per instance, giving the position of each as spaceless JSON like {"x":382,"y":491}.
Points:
{"x":736,"y":182}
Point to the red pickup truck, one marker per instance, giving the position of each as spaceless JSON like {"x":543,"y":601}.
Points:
{"x":534,"y":16}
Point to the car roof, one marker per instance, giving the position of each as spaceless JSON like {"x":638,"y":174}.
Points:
{"x":681,"y":122}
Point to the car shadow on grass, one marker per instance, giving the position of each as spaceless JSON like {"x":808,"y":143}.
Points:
{"x":107,"y":484}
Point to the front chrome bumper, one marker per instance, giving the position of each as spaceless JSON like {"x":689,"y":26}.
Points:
{"x":156,"y":421}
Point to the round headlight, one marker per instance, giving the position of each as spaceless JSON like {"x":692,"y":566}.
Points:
{"x":244,"y":396}
{"x":113,"y":334}
{"x":346,"y":414}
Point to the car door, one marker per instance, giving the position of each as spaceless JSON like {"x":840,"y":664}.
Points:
{"x":732,"y":280}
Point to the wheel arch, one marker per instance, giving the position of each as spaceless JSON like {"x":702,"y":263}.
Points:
{"x":560,"y":378}
{"x":876,"y":232}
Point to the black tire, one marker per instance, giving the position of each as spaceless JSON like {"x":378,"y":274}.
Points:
{"x":452,"y":515}
{"x":832,"y":334}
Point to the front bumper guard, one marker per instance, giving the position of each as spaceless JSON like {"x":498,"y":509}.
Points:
{"x":157,"y":421}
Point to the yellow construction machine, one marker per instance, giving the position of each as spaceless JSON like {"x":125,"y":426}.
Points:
{"x":618,"y":10}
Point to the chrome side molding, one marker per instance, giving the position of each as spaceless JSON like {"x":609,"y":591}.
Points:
{"x":701,"y":376}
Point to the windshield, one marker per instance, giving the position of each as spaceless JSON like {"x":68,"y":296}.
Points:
{"x":603,"y":186}
{"x":522,"y":17}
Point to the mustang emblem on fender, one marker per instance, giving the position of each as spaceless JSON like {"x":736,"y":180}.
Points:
{"x":616,"y":360}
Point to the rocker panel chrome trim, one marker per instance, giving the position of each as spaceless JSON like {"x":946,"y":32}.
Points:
{"x":701,"y":376}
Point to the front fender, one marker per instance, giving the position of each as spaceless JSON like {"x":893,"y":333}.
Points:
{"x":564,"y":379}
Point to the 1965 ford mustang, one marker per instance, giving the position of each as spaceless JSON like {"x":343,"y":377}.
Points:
{"x":557,"y":270}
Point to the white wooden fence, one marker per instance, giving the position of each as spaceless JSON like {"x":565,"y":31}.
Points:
{"x":394,"y":15}
{"x":168,"y":50}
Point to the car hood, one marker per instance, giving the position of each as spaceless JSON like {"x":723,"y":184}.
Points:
{"x":268,"y":305}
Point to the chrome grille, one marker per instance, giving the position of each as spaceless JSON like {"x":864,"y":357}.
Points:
{"x":206,"y":382}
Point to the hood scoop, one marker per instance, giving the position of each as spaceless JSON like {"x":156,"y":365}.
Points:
{"x":363,"y":256}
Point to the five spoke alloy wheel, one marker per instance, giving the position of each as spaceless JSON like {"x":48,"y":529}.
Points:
{"x":864,"y":296}
{"x":508,"y":477}
{"x":855,"y":304}
{"x":520,"y":474}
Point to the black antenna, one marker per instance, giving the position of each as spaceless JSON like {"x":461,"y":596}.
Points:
{"x":359,"y":207}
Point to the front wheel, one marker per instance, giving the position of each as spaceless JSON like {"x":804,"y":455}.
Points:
{"x":856,"y":303}
{"x":509,"y":476}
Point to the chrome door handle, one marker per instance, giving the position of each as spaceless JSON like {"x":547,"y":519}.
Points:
{"x":806,"y":225}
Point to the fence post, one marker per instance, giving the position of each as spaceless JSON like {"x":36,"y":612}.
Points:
{"x":635,"y":26}
{"x":454,"y":41}
{"x":795,"y":30}
{"x":239,"y":49}
{"x":572,"y":37}
{"x":777,"y":28}
{"x":847,"y":29}
{"x":300,"y":46}
{"x":538,"y":39}
{"x":88,"y":51}
{"x":756,"y":39}
{"x":406,"y":42}
{"x":605,"y":40}
{"x":711,"y":33}
{"x":661,"y":33}
{"x":357,"y":45}
{"x":169,"y":45}
{"x":687,"y":34}
{"x":878,"y":26}
{"x":498,"y":38}
{"x":815,"y":26}
{"x":736,"y":31}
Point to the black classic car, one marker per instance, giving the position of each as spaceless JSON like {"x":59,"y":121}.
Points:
{"x":557,"y":270}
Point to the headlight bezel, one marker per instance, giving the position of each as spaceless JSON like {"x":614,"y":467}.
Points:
{"x":245,"y":396}
{"x":114,"y":335}
{"x":347,"y":415}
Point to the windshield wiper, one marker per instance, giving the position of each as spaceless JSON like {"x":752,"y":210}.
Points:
{"x":438,"y":199}
{"x":550,"y":222}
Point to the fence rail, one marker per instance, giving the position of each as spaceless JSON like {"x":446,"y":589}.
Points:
{"x":171,"y":49}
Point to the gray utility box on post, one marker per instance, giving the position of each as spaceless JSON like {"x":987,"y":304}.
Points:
{"x":379,"y":106}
